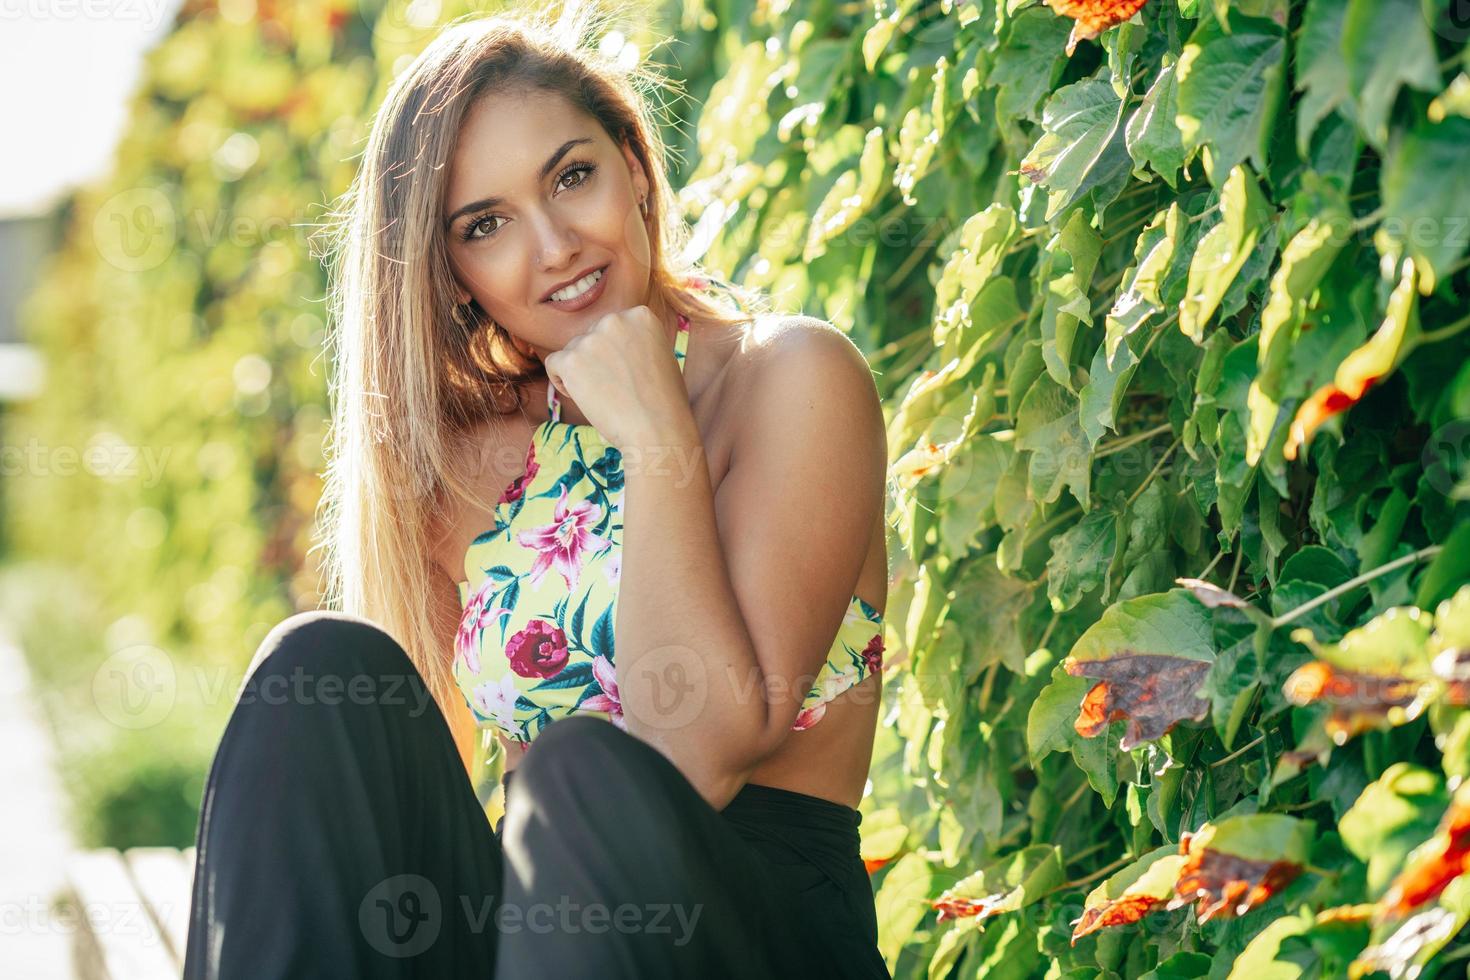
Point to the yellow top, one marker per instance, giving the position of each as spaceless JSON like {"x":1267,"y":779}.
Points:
{"x":535,"y":640}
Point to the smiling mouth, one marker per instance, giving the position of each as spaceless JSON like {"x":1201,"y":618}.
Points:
{"x":589,"y":282}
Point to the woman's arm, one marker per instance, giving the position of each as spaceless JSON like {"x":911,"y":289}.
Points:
{"x":728,"y":602}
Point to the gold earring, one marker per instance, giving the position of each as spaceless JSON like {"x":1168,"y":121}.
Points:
{"x":643,"y":206}
{"x":458,"y":315}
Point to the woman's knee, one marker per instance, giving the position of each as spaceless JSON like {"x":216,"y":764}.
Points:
{"x":587,"y":757}
{"x":326,"y":653}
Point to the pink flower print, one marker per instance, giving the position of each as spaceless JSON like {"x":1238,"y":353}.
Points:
{"x":563,"y":542}
{"x":613,"y":568}
{"x":528,"y":473}
{"x":498,"y":701}
{"x":607,"y":679}
{"x":873,"y":655}
{"x":478,"y":614}
{"x":538,"y":650}
{"x":809,"y":717}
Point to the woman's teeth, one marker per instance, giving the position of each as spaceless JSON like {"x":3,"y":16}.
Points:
{"x":577,"y":288}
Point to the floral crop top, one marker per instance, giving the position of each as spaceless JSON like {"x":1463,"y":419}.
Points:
{"x":535,"y":639}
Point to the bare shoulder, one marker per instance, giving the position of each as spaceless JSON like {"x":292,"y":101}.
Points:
{"x":789,"y":358}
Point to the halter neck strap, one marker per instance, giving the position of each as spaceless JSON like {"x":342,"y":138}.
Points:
{"x":681,"y":344}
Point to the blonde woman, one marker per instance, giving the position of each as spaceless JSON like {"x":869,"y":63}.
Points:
{"x":580,"y":498}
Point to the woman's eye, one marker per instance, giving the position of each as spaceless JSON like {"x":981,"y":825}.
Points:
{"x":469,"y":231}
{"x":585,"y":169}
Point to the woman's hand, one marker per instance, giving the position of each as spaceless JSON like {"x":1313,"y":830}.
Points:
{"x":623,"y":376}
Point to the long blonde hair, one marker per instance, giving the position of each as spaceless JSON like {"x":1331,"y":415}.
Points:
{"x":410,"y":380}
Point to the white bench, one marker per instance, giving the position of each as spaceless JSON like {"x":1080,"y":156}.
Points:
{"x":131,"y":912}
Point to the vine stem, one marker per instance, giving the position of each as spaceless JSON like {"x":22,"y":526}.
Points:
{"x":1152,"y":473}
{"x":1368,"y":220}
{"x":894,"y":346}
{"x":1137,"y":437}
{"x":1211,"y":566}
{"x":1353,"y":583}
{"x":1444,"y":333}
{"x":1088,"y":851}
{"x":1240,"y":751}
{"x":1106,"y":869}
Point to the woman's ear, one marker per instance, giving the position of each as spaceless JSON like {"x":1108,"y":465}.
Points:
{"x":640,"y":179}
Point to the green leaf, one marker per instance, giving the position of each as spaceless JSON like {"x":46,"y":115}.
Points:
{"x":1169,"y":623}
{"x":854,"y":193}
{"x":1393,"y":815}
{"x":1262,"y":957}
{"x":1080,"y":559}
{"x":1223,"y":251}
{"x":1071,"y":257}
{"x":1154,"y":255}
{"x":1321,"y":71}
{"x":1082,"y":146}
{"x":1375,"y":69}
{"x":1181,"y":966}
{"x":1152,"y":135}
{"x":1304,"y":262}
{"x":970,"y":270}
{"x":1027,"y":63}
{"x":1425,"y":183}
{"x":1126,"y":896}
{"x":1048,"y":429}
{"x":1009,"y":884}
{"x":1393,"y":642}
{"x":1049,"y":722}
{"x":1230,"y":86}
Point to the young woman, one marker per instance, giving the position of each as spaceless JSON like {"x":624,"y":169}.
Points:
{"x":580,"y":498}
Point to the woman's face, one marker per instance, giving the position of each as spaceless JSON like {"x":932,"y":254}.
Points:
{"x":539,"y":195}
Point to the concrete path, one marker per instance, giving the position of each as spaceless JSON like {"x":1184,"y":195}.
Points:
{"x":35,"y":942}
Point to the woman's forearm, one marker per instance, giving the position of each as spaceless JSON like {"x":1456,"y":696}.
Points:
{"x":688,"y":676}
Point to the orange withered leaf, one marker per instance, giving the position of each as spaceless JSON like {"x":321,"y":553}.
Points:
{"x":1225,"y":886}
{"x":1094,"y":16}
{"x":1434,"y":864}
{"x":1133,"y":893}
{"x":1153,"y":691}
{"x":1006,"y":885}
{"x":958,"y":907}
{"x":873,"y":864}
{"x":1364,"y":367}
{"x":1359,"y":702}
{"x":1240,"y":863}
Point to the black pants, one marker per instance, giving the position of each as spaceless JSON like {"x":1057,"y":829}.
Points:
{"x":340,"y":836}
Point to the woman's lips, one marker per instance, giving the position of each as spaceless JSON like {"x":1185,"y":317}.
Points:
{"x":585,"y":300}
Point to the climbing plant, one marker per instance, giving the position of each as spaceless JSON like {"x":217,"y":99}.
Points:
{"x":1166,"y":302}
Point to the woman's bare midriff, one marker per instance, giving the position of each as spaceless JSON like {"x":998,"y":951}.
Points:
{"x":829,"y":760}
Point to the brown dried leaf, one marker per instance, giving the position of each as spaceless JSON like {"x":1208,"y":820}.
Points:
{"x":1359,"y":702}
{"x":1147,"y":893}
{"x":1152,"y":691}
{"x":1226,"y":885}
{"x":1212,"y":595}
{"x":1435,"y":863}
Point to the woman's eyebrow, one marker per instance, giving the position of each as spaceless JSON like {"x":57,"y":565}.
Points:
{"x":546,"y":168}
